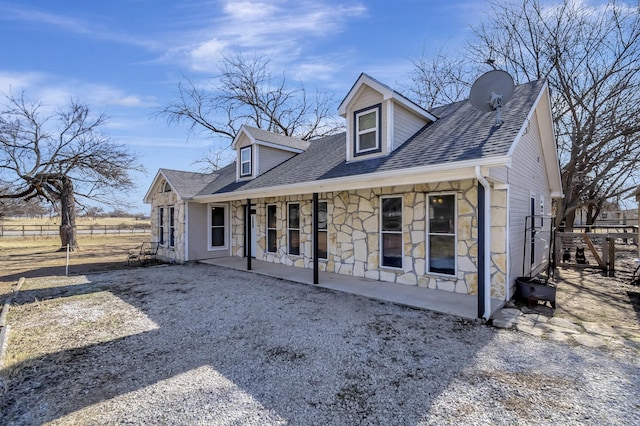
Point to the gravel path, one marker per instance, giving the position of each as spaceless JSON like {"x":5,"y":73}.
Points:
{"x":200,"y":344}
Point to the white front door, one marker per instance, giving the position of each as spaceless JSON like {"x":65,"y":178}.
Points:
{"x":254,"y":235}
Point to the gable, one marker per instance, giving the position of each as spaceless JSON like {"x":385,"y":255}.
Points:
{"x":540,"y":120}
{"x":388,"y":119}
{"x":258,"y":150}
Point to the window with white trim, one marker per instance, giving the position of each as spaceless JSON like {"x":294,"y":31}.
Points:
{"x":245,"y":161}
{"x":322,"y":230}
{"x":391,"y":232}
{"x":217,"y":226}
{"x":293,"y":228}
{"x":367,"y":130}
{"x":272,"y":232}
{"x":441,"y":234}
{"x":172,"y":227}
{"x":161,"y":226}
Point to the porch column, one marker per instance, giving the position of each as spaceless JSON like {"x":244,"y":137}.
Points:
{"x":481,"y":252}
{"x":315,"y":238}
{"x":247,"y":232}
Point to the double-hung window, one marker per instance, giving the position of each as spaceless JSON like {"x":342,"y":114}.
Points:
{"x":367,"y":130}
{"x":293,"y":225}
{"x":217,"y":222}
{"x":441,"y":234}
{"x":322,"y":230}
{"x":172,"y":227}
{"x":245,"y":161}
{"x":161,"y":225}
{"x":391,"y":232}
{"x":272,"y":233}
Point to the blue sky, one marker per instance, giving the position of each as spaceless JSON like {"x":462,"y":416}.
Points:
{"x":126,"y":57}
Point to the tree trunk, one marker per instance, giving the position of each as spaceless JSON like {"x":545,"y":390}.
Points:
{"x":67,"y":215}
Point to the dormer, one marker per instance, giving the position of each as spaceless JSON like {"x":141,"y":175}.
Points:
{"x":379,"y":119}
{"x":258,"y":151}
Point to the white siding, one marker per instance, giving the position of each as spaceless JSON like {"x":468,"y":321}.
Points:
{"x":527,"y":176}
{"x":269,"y":157}
{"x":405,"y":124}
{"x":367,"y":97}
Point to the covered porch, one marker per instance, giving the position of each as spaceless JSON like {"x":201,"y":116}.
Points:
{"x":461,"y":305}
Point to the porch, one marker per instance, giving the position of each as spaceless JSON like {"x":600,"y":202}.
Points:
{"x":461,"y":305}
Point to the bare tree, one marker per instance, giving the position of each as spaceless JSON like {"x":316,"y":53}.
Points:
{"x":245,"y":92}
{"x":591,"y":58}
{"x":17,"y":207}
{"x":439,"y":79}
{"x":61,"y":157}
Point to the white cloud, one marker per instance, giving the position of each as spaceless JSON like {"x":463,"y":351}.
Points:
{"x":52,"y":91}
{"x":18,"y":81}
{"x":275,"y":29}
{"x":74,"y":25}
{"x":205,"y":56}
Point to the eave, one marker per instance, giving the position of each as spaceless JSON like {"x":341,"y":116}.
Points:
{"x":408,"y":176}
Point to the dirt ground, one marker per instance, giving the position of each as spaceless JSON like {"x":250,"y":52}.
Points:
{"x":584,"y":295}
{"x":39,"y":257}
{"x":587,"y":295}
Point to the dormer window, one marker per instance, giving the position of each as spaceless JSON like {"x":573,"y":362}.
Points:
{"x":367,"y":130}
{"x":245,"y":161}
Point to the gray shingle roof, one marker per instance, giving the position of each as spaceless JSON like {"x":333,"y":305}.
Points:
{"x":461,"y":133}
{"x":188,"y":184}
{"x":265,"y":136}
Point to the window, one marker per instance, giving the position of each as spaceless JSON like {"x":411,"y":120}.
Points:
{"x":218,"y":233}
{"x":441,"y":234}
{"x":322,"y":230}
{"x":172,"y":227}
{"x":245,"y":161}
{"x":161,"y":225}
{"x":166,"y":187}
{"x":272,"y":233}
{"x":367,"y":130}
{"x":391,"y":232}
{"x":293,"y":226}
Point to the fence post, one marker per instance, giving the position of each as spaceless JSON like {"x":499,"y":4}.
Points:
{"x":612,"y":257}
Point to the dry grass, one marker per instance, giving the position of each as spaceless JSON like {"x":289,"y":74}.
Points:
{"x":101,"y":221}
{"x":40,"y":256}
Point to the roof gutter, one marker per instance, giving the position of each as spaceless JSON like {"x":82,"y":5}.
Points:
{"x":484,"y":249}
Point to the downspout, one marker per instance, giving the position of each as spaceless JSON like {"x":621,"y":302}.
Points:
{"x":185,"y":238}
{"x":485,"y":280}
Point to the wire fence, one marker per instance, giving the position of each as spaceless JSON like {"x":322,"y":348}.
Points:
{"x":26,"y":230}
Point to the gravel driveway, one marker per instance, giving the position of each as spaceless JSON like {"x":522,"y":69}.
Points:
{"x":201,"y":344}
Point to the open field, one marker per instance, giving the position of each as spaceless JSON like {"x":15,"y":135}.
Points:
{"x":79,"y":220}
{"x":11,"y":228}
{"x":40,"y":256}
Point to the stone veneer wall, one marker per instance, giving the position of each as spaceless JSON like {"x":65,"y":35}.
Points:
{"x":354,"y":239}
{"x":167,"y":200}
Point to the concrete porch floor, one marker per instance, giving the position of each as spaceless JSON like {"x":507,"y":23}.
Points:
{"x":461,"y":305}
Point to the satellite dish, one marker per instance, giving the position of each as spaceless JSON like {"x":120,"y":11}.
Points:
{"x":491,"y":91}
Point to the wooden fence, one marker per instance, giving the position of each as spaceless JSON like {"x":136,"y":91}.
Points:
{"x":23,"y":230}
{"x":601,"y":247}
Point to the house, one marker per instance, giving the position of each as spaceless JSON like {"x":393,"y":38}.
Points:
{"x":610,"y":215}
{"x":438,"y":199}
